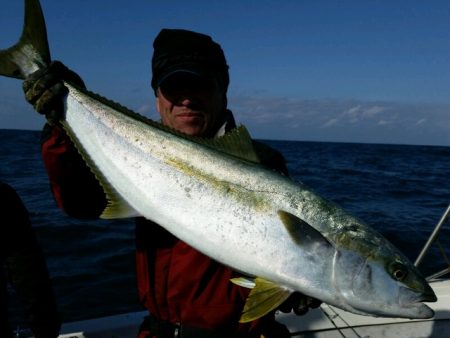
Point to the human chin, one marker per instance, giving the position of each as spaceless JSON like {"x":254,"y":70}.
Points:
{"x":191,"y":127}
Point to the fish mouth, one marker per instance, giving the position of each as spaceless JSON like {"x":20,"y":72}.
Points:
{"x":411,"y":296}
{"x":423,"y":311}
{"x":414,"y":300}
{"x":429,"y":297}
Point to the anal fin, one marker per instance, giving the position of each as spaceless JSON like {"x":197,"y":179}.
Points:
{"x":117,"y":206}
{"x":264,"y":297}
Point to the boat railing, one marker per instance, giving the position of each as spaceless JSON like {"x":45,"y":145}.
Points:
{"x":433,"y":237}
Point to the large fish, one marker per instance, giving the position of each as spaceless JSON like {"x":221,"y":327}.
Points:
{"x":214,"y":195}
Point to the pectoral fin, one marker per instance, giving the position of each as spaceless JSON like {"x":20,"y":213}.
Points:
{"x":303,"y":234}
{"x":264,"y":297}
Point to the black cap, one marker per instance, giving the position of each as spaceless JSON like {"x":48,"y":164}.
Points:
{"x":179,"y":50}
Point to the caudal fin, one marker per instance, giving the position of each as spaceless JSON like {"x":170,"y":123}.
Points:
{"x":31,"y":52}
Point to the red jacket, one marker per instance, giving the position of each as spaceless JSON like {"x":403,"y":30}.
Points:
{"x":176,"y":283}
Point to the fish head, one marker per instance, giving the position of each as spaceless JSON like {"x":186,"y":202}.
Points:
{"x":368,"y":276}
{"x":385,"y":284}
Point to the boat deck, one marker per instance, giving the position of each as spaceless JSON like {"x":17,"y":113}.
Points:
{"x":324,"y":322}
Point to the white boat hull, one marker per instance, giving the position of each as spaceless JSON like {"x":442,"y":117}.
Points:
{"x":325,"y":322}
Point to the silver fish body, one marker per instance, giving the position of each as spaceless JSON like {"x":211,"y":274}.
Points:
{"x":220,"y":201}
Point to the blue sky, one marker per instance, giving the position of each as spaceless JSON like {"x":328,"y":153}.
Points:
{"x":351,"y":71}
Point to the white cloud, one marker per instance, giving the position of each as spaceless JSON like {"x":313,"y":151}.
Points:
{"x":384,"y":123}
{"x":343,"y":120}
{"x":362,"y":112}
{"x":331,"y":122}
{"x":144,"y":109}
{"x":421,"y":121}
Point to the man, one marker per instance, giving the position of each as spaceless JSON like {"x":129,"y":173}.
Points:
{"x":26,"y":268}
{"x":184,"y":290}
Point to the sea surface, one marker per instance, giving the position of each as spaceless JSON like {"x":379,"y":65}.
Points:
{"x":400,"y":190}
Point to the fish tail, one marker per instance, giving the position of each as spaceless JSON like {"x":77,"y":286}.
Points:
{"x":31,"y":52}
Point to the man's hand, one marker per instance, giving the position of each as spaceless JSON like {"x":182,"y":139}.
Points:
{"x":299,"y":303}
{"x":45,"y":90}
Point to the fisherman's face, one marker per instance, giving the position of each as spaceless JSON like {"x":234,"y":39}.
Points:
{"x":191,"y":104}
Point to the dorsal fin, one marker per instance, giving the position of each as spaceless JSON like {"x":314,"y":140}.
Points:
{"x":237,"y":142}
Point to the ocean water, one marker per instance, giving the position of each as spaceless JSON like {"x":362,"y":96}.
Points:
{"x":399,"y":190}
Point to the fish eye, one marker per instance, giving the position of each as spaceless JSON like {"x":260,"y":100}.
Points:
{"x":399,"y":274}
{"x":398,"y":271}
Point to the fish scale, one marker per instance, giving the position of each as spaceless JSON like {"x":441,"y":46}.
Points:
{"x":214,"y":195}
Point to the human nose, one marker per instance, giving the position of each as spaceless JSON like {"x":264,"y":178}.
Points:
{"x":185,"y":102}
{"x":191,"y":104}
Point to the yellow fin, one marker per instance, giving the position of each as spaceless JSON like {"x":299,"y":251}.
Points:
{"x":248,"y":283}
{"x":264,"y":297}
{"x":116,"y":206}
{"x":237,"y":142}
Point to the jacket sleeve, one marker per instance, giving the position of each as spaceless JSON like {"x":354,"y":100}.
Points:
{"x":74,"y":186}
